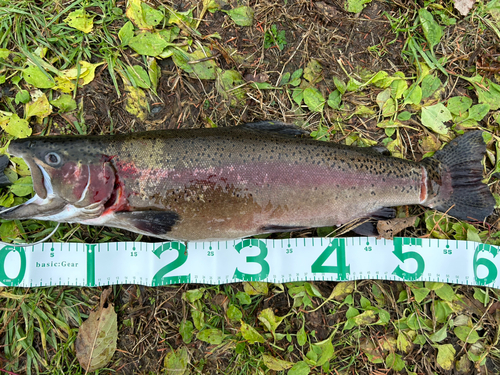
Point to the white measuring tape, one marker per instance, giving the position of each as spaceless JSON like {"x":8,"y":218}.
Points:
{"x":276,"y":261}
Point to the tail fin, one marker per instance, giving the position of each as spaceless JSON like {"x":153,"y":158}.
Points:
{"x":454,"y":177}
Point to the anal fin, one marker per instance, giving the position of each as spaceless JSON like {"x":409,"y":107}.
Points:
{"x":280,"y":228}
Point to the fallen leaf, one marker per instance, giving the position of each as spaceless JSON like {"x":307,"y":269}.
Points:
{"x":255,"y":288}
{"x":97,"y":336}
{"x":38,"y":106}
{"x":446,"y":355}
{"x":435,"y":116}
{"x":389,"y":228}
{"x":276,"y":364}
{"x":136,"y":102}
{"x":15,"y":126}
{"x":342,"y":290}
{"x":80,"y":20}
{"x":176,"y":362}
{"x":464,"y":6}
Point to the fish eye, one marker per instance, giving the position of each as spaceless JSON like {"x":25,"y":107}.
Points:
{"x":52,"y":158}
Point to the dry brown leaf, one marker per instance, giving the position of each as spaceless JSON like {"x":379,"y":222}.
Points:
{"x":96,"y":340}
{"x":464,"y":6}
{"x":389,"y":228}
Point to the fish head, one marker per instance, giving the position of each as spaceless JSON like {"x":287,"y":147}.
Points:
{"x":69,"y":176}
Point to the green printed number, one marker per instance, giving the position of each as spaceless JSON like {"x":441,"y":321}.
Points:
{"x":341,"y":269}
{"x":398,"y":251}
{"x":260,"y":259}
{"x":492,"y":269}
{"x":4,"y":279}
{"x":160,"y":278}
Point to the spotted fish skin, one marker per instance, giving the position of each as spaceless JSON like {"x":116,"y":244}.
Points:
{"x":227,"y":183}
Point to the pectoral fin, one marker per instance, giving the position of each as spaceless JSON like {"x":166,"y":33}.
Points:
{"x":157,"y":223}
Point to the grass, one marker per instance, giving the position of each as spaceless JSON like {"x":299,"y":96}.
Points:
{"x":364,"y":80}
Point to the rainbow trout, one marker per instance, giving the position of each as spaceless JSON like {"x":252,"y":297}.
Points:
{"x":227,"y":183}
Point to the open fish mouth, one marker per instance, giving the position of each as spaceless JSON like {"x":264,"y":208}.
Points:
{"x":43,"y":205}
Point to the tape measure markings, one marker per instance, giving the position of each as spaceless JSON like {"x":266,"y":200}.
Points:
{"x":287,"y":260}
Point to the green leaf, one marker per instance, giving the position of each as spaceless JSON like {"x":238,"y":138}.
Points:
{"x":80,"y":20}
{"x":466,"y":334}
{"x":9,"y":231}
{"x":445,"y":292}
{"x":244,"y":298}
{"x":434,"y":117}
{"x":182,"y":18}
{"x":295,"y":78}
{"x":7,"y":200}
{"x":38,"y":78}
{"x":300,"y":368}
{"x":126,"y":33}
{"x":22,"y":96}
{"x":399,"y":85}
{"x":478,"y":111}
{"x":234,"y":313}
{"x":138,"y":75}
{"x":148,"y":43}
{"x":193,"y":295}
{"x":367,"y":317}
{"x":275,"y":363}
{"x":250,"y":334}
{"x":404,"y":116}
{"x":356,"y":6}
{"x":432,"y":30}
{"x":395,"y":361}
{"x":413,"y":95}
{"x":430,"y":84}
{"x":65,"y":103}
{"x":4,"y":53}
{"x":298,"y":95}
{"x":420,"y":294}
{"x":325,"y":351}
{"x":269,"y":320}
{"x":285,"y":78}
{"x":191,"y":63}
{"x":482,"y":296}
{"x":241,"y":16}
{"x":439,"y":335}
{"x":211,"y":335}
{"x":353,"y":85}
{"x":487,"y":91}
{"x":340,"y":85}
{"x":22,"y":187}
{"x":15,"y":126}
{"x":186,"y":330}
{"x":314,"y":99}
{"x":334,"y":99}
{"x":154,"y":72}
{"x":458,"y":105}
{"x":152,"y":17}
{"x":446,"y":356}
{"x":301,"y":336}
{"x":176,"y":362}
